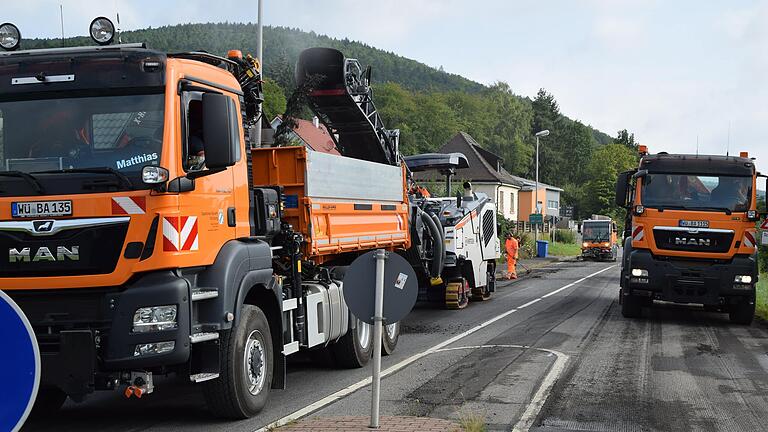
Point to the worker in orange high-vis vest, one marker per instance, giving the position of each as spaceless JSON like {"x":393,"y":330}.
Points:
{"x":512,"y":246}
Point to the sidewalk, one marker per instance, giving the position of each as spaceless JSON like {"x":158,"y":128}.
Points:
{"x":386,"y":424}
{"x":529,"y":263}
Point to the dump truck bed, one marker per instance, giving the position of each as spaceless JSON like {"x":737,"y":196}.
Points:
{"x":339,"y":204}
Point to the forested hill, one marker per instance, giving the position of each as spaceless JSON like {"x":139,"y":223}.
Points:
{"x":428,"y":105}
{"x":281,"y":49}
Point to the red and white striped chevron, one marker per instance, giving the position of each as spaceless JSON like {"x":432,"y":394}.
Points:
{"x":129,"y":205}
{"x":180,"y":233}
{"x":638,"y":233}
{"x":749,"y":238}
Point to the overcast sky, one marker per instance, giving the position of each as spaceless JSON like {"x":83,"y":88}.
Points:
{"x":668,"y":71}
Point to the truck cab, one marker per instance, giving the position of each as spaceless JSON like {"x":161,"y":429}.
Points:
{"x":599,"y":239}
{"x":691,"y":233}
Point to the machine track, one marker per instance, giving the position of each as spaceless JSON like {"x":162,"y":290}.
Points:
{"x":456,"y":295}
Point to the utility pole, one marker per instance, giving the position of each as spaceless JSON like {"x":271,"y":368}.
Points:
{"x":543,"y":133}
{"x":260,"y":56}
{"x":61,"y":14}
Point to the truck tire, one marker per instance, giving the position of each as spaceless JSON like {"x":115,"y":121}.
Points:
{"x":242,"y":388}
{"x":389,"y":338}
{"x":742,"y":313}
{"x":354,"y":349}
{"x":48,"y":401}
{"x":631,"y":306}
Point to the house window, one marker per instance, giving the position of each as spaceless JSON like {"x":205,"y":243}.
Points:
{"x":553,"y":204}
{"x":501,"y":202}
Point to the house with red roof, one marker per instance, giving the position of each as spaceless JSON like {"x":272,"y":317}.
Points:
{"x":312,"y":134}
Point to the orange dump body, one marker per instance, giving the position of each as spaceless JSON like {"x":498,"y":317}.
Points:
{"x":341,"y":205}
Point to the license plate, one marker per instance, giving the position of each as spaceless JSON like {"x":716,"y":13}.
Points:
{"x":694,"y":224}
{"x":34,"y":209}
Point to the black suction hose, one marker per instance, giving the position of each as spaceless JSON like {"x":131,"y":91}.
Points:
{"x":437,"y":244}
{"x":442,"y":240}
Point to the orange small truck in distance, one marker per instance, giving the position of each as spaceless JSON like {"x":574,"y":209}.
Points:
{"x":690,"y":233}
{"x":599,"y":237}
{"x":141,"y":235}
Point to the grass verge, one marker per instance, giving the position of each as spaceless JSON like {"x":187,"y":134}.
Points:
{"x":761,"y":306}
{"x":564,"y":249}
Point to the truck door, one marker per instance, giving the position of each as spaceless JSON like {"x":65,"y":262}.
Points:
{"x":207,"y":213}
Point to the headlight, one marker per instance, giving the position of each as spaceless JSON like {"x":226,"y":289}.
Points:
{"x":639,"y":209}
{"x":154,"y":318}
{"x":743,"y":279}
{"x":154,"y":348}
{"x":154,"y":175}
{"x":10,"y":36}
{"x":639,"y":273}
{"x":752,"y":215}
{"x":102,"y":31}
{"x":585,"y":244}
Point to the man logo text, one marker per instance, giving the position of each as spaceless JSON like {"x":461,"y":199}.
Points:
{"x":682,"y":241}
{"x":44,"y":254}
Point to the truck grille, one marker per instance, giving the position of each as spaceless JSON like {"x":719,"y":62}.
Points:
{"x":693,"y":240}
{"x":87,"y":251}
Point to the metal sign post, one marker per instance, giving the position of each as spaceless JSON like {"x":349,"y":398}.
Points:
{"x":381,"y":257}
{"x":379,"y":288}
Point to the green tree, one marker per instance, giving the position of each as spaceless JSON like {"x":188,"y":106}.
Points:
{"x":602,"y":171}
{"x":626,"y":139}
{"x":274,"y":99}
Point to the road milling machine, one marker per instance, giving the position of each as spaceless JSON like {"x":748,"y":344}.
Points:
{"x":455,"y":238}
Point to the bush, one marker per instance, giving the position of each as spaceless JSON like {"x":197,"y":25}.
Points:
{"x":565,"y":236}
{"x":527,"y":245}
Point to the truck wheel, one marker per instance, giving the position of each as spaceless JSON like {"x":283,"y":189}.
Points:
{"x":242,"y":388}
{"x":389,"y":338}
{"x":631,"y":306}
{"x":49,"y":400}
{"x":354,"y":349}
{"x":742,"y":313}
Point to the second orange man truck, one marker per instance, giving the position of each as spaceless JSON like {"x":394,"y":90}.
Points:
{"x":690,"y":233}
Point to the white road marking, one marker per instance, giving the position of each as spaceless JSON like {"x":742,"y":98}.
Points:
{"x":545,"y":388}
{"x":333,"y":397}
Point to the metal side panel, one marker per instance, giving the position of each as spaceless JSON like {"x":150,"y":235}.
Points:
{"x":338,"y":177}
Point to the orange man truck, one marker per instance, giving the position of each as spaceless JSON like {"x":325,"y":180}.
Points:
{"x":690,"y":233}
{"x":141,"y":236}
{"x":599,"y":238}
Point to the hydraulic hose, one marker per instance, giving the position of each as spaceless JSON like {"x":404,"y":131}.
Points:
{"x":442,"y":240}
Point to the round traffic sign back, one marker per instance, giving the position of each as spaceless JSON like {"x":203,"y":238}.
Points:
{"x":21,"y":365}
{"x":400,"y":287}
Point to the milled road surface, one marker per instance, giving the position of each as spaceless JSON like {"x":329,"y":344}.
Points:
{"x":677,"y":368}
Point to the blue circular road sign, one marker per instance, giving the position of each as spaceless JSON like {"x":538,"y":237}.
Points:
{"x":20,"y":372}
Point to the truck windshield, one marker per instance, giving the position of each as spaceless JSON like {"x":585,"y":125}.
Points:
{"x":123,"y":133}
{"x":595,"y":232}
{"x":697,"y":192}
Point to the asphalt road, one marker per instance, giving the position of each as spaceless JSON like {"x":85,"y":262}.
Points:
{"x":552,"y":353}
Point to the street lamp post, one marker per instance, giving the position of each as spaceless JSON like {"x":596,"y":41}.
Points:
{"x":538,"y":135}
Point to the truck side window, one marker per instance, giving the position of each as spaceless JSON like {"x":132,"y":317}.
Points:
{"x":194,"y":152}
